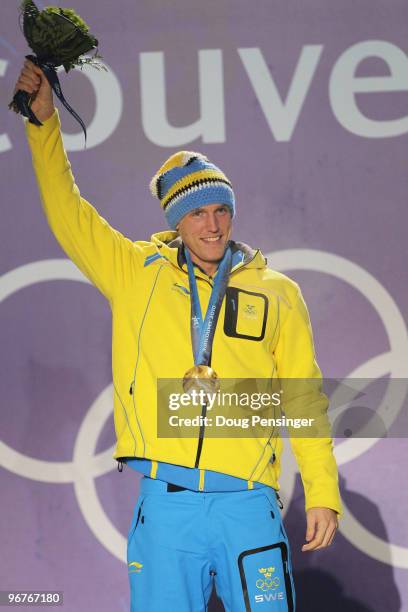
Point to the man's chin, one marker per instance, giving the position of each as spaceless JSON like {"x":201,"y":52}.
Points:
{"x":213,"y":252}
{"x":214,"y":256}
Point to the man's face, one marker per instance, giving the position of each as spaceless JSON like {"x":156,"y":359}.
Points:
{"x":205,"y":232}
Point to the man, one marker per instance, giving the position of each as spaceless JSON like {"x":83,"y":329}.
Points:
{"x":193,"y":303}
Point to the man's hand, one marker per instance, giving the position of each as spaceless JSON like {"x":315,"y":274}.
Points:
{"x":33,"y":80}
{"x":321,"y":528}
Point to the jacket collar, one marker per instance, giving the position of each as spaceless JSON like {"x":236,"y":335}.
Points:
{"x":170,"y":245}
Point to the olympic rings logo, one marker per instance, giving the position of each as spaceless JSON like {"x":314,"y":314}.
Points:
{"x":86,"y":465}
{"x":268,"y":583}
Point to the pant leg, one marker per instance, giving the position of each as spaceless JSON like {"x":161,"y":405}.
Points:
{"x":168,"y":564}
{"x":251,"y":552}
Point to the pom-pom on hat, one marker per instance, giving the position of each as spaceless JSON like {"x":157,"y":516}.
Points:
{"x":188,"y":180}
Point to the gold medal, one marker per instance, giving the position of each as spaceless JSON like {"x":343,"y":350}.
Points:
{"x":199,"y":378}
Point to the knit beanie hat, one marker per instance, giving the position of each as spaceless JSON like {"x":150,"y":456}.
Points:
{"x":188,"y":180}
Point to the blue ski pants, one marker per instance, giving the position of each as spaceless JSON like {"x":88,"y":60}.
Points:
{"x":181,"y":542}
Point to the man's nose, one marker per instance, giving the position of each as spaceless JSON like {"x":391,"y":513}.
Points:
{"x":212,"y":222}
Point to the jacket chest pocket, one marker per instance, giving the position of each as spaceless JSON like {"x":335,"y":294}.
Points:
{"x":246,"y":313}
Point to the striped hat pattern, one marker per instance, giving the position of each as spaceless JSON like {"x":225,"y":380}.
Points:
{"x":188,"y":180}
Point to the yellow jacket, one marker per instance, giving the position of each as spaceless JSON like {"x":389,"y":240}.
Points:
{"x":151,"y":332}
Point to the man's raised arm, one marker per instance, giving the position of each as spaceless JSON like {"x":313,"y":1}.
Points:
{"x":103,"y":254}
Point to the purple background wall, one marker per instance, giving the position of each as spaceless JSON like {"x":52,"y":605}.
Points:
{"x":306,"y":113}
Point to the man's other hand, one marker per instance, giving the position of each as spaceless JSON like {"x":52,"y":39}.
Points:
{"x":321,"y":528}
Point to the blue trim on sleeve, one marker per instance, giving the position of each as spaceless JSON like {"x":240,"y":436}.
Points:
{"x":151,"y":258}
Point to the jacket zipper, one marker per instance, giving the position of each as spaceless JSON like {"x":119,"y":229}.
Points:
{"x":202,"y":426}
{"x":201,"y":436}
{"x":204,"y":407}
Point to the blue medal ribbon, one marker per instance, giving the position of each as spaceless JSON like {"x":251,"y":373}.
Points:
{"x":202,"y":331}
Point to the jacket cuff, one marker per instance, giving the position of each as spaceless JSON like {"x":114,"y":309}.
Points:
{"x":42,"y":131}
{"x":330,"y":501}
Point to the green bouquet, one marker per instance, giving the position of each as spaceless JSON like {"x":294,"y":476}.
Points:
{"x":58,"y":37}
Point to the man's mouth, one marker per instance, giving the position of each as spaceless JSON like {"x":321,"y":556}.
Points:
{"x":212,"y":239}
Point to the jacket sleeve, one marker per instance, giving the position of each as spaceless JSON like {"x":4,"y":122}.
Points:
{"x":102,"y":253}
{"x":301,"y":381}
